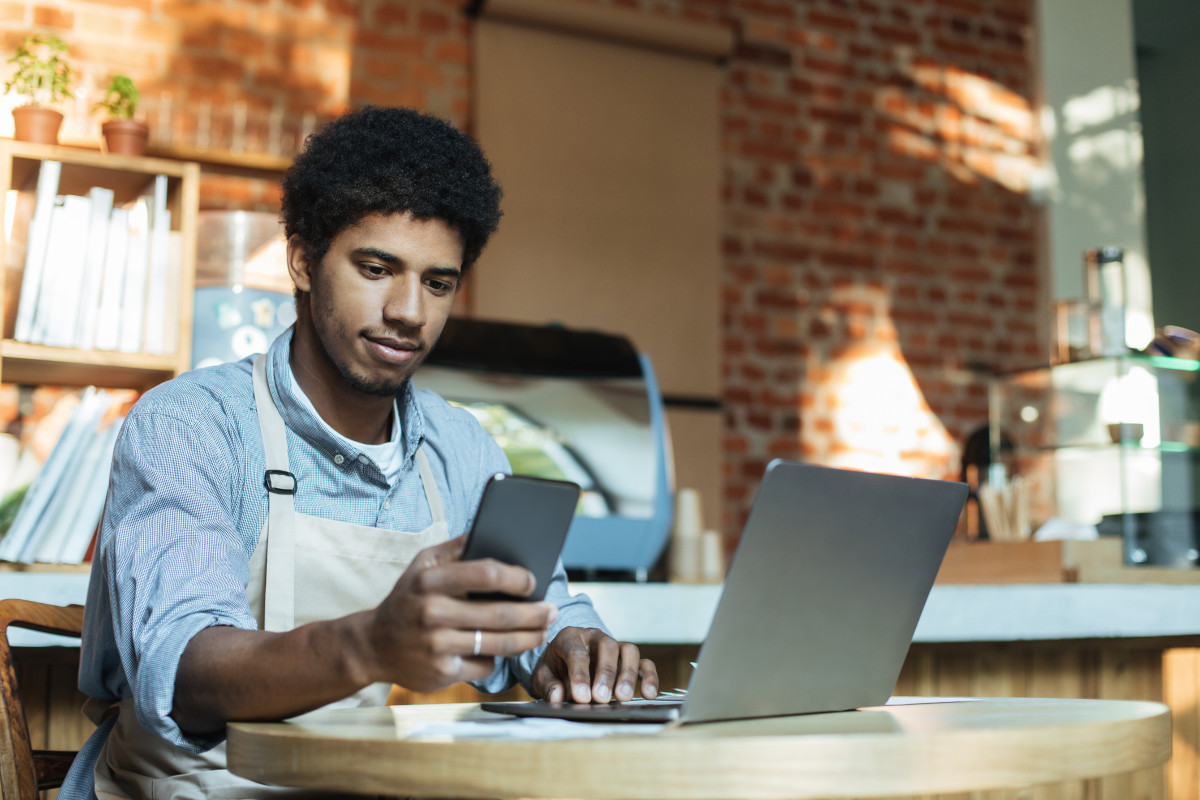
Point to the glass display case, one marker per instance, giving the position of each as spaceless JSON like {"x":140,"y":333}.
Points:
{"x":574,"y":405}
{"x":1110,"y":442}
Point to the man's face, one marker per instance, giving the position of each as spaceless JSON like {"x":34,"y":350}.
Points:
{"x":380,"y":297}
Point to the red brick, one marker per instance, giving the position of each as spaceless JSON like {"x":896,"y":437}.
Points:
{"x":383,"y":68}
{"x":836,"y":116}
{"x":143,"y":6}
{"x":246,"y":44}
{"x":209,"y":38}
{"x":778,"y":9}
{"x":964,"y":6}
{"x":838,"y":209}
{"x":898,"y":216}
{"x":841,"y":22}
{"x":433,"y":22}
{"x":209,"y":67}
{"x":956,"y":47}
{"x":800,"y":86}
{"x":964,"y":320}
{"x":837,"y":258}
{"x":390,"y":14}
{"x":426,"y":75}
{"x":827,"y":67}
{"x":896,"y":35}
{"x":754,"y":196}
{"x":51,"y":17}
{"x":773,"y":105}
{"x":834,"y":140}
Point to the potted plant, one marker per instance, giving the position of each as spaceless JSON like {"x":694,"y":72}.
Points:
{"x":43,"y":78}
{"x":122,"y":133}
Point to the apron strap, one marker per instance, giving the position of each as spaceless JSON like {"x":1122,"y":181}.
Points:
{"x":279,"y":596}
{"x":279,"y":613}
{"x":432,"y":495}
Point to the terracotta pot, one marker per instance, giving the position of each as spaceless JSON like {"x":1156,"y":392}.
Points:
{"x":125,"y":137}
{"x":36,"y":124}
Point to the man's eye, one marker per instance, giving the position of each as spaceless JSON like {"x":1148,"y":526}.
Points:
{"x":440,"y":286}
{"x":375,"y":270}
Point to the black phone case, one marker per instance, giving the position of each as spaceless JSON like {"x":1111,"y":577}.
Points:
{"x":524,"y":521}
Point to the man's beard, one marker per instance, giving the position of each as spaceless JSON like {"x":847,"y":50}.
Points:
{"x":382,"y":387}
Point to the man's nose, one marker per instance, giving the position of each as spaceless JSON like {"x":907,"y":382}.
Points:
{"x":406,"y":302}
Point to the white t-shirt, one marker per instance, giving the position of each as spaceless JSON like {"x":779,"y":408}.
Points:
{"x":387,"y":456}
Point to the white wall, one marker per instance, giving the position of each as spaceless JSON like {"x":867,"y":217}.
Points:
{"x":1093,"y":141}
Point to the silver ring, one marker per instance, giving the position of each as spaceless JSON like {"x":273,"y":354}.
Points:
{"x":478,"y":642}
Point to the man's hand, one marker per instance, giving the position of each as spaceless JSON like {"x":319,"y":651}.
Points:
{"x":592,"y":663}
{"x":427,"y":634}
{"x":422,"y":636}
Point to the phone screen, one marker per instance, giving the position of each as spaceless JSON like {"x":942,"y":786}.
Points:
{"x":522,"y":521}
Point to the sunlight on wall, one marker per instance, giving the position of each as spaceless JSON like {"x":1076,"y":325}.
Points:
{"x":866,"y":410}
{"x":971,"y":126}
{"x":1098,"y":107}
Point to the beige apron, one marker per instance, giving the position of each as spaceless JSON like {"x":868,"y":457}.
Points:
{"x":343,"y":568}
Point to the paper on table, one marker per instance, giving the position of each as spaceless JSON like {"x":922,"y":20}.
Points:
{"x":523,"y":729}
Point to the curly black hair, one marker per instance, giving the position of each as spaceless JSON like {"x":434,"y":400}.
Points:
{"x":391,"y":161}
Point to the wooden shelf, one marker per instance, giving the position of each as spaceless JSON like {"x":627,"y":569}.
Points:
{"x":167,"y":154}
{"x":83,"y":157}
{"x":251,"y":162}
{"x":38,"y":364}
{"x":129,"y":177}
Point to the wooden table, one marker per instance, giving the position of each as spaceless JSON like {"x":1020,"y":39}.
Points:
{"x":885,"y":752}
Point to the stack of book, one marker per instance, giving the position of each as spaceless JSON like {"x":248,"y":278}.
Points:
{"x":60,"y":509}
{"x":99,"y":276}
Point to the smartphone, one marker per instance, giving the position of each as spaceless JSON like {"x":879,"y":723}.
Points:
{"x":522,"y":521}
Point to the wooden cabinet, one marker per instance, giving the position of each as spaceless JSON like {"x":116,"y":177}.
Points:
{"x":128,"y":177}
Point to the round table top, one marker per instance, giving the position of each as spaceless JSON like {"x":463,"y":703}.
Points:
{"x":902,"y":749}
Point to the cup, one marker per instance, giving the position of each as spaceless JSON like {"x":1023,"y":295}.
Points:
{"x":712,"y":557}
{"x":689,"y":517}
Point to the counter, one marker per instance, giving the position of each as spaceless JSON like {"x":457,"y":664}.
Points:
{"x":679,"y":614}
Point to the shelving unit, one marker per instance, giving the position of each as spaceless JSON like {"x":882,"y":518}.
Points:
{"x":128,"y":177}
{"x":1112,"y":442}
{"x":225,"y":159}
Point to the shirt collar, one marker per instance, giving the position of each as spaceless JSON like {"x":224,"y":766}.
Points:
{"x":297,"y":417}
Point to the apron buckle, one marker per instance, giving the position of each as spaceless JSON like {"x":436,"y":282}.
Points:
{"x":279,"y":481}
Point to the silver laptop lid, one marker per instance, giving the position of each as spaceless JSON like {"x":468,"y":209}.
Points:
{"x":824,"y":593}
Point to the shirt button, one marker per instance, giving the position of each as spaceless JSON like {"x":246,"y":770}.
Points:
{"x":339,"y":458}
{"x":363,"y":459}
{"x":387,"y":504}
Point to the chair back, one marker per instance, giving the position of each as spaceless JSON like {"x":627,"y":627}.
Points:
{"x":23,"y":770}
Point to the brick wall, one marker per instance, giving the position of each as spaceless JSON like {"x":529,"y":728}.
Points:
{"x":254,"y":75}
{"x":879,"y":251}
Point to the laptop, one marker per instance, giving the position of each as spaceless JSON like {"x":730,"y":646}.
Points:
{"x":819,"y":605}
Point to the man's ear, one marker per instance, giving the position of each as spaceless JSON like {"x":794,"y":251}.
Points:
{"x":299,"y":266}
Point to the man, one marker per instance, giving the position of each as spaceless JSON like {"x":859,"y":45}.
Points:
{"x":283,"y":533}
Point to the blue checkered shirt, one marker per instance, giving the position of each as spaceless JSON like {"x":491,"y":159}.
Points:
{"x":186,"y":505}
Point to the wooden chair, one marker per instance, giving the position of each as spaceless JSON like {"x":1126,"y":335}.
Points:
{"x":23,"y":770}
